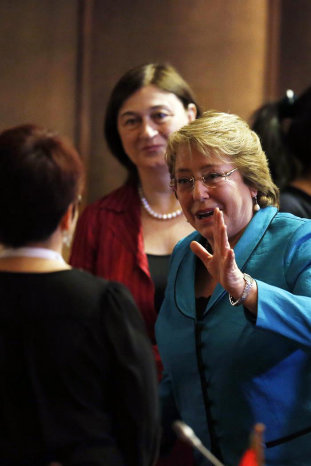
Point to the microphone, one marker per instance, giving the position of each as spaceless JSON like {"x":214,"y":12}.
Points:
{"x":186,"y":434}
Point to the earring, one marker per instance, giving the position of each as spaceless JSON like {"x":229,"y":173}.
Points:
{"x":66,"y":239}
{"x":256,"y":205}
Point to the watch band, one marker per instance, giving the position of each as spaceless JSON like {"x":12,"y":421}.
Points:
{"x":249,"y":281}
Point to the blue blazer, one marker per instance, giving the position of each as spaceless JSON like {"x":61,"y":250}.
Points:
{"x":225,"y":370}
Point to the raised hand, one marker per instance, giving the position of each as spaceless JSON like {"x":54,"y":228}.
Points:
{"x":221,"y":264}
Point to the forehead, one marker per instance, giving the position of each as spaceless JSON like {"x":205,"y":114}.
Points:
{"x":190,"y":158}
{"x":148,"y":97}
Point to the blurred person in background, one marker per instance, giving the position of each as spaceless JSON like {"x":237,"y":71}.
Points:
{"x":284,"y":128}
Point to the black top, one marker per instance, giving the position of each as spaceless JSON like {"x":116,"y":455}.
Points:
{"x":159,"y":266}
{"x":296,"y":202}
{"x":77,"y":382}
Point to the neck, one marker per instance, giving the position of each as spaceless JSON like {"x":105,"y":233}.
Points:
{"x":156,"y":189}
{"x":155,"y":180}
{"x":27,"y":251}
{"x":44,"y":256}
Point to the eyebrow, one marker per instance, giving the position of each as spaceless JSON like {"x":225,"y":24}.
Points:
{"x":154,"y":107}
{"x":204,"y":167}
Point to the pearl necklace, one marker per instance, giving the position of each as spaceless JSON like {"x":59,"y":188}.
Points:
{"x":154,"y":214}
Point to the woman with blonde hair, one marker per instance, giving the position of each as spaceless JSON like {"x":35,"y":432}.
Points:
{"x":234,"y":328}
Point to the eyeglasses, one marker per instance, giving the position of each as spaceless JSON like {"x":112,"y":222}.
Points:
{"x":211,"y":180}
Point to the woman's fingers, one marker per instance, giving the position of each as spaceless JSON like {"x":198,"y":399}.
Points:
{"x":200,"y":251}
{"x":221,"y":242}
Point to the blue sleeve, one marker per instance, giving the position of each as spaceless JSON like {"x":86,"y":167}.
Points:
{"x":288,"y":312}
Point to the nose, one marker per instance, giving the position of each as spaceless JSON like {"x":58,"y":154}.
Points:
{"x":148,"y":129}
{"x":200,"y":190}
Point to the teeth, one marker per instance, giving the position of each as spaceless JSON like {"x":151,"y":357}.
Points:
{"x":206,"y":214}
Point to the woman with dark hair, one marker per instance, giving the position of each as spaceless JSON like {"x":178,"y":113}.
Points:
{"x":67,"y":387}
{"x":284,"y":130}
{"x":129,"y":235}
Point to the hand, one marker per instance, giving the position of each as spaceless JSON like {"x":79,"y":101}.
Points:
{"x":257,"y":443}
{"x":255,"y":455}
{"x":221,"y":265}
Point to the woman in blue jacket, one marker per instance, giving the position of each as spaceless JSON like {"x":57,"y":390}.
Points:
{"x":234,"y":330}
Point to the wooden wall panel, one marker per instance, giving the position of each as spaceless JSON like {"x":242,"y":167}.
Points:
{"x":57,"y":67}
{"x":219,"y":46}
{"x":295,"y":48}
{"x":38,"y":49}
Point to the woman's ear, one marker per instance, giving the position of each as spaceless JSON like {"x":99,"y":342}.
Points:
{"x":192,"y":112}
{"x":253,"y":192}
{"x":68,"y":218}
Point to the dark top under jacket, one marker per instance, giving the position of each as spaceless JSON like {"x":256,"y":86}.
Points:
{"x":296,"y":202}
{"x":77,"y":375}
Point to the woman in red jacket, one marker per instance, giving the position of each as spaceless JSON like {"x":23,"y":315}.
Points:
{"x":129,"y":235}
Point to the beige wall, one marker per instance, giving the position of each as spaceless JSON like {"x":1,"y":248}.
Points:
{"x":61,"y":58}
{"x":38,"y":49}
{"x":295,"y":46}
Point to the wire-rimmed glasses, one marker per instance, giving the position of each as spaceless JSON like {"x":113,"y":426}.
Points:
{"x":211,"y":180}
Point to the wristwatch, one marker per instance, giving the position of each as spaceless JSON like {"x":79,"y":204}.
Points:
{"x":249,"y":281}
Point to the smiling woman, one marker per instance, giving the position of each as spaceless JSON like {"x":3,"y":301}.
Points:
{"x":224,"y":190}
{"x":118,"y":235}
{"x":129,"y":235}
{"x":145,"y":121}
{"x":239,"y":285}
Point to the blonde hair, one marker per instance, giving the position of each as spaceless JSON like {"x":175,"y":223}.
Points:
{"x":223,"y":134}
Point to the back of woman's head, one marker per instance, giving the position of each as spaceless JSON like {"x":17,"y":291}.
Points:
{"x":41,"y":174}
{"x":163,"y":76}
{"x":284,"y":130}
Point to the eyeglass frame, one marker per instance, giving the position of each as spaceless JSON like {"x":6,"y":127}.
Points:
{"x":173,"y":182}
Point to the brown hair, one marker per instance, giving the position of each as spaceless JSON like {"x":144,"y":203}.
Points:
{"x":41,"y":174}
{"x":165,"y":77}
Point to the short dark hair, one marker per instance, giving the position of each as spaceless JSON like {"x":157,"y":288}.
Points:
{"x":298,"y":136}
{"x":284,"y":130}
{"x":165,"y":77}
{"x":41,"y":174}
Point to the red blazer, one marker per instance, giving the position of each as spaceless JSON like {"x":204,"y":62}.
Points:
{"x":109,"y":243}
